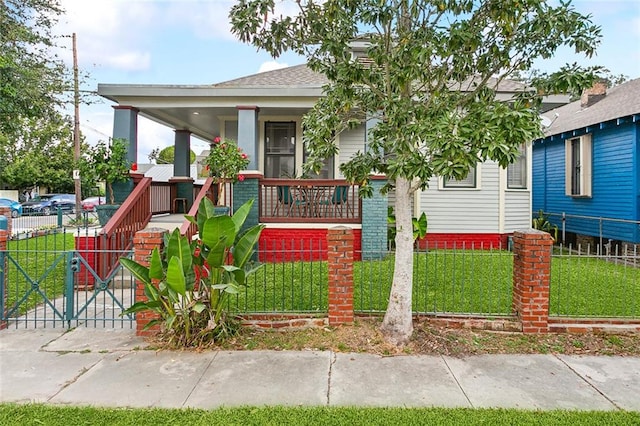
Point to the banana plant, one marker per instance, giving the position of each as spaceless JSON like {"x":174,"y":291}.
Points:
{"x":187,"y":283}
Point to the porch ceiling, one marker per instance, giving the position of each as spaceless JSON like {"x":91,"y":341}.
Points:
{"x":199,"y":109}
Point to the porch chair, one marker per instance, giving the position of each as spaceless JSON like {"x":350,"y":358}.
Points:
{"x":339,"y":201}
{"x":287,"y":201}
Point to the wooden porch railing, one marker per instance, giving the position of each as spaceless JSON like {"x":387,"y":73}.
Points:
{"x":309,"y":201}
{"x":116,"y":238}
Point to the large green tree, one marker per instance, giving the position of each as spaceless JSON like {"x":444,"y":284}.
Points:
{"x":33,"y":79}
{"x":427,"y":71}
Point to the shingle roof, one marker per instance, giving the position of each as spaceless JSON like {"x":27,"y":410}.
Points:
{"x":620,"y":101}
{"x":297,"y":75}
{"x":303,"y":76}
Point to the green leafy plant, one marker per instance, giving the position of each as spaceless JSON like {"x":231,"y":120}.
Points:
{"x":224,"y":163}
{"x":542,"y":223}
{"x":187,"y":283}
{"x":419,"y":226}
{"x":109,"y":163}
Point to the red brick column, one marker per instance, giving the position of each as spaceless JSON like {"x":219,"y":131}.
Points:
{"x":6,"y":212}
{"x":531,"y":275}
{"x":143,"y":244}
{"x":340,"y":257}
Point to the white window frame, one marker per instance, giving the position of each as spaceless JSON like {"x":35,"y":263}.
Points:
{"x":578,"y":166}
{"x":463,"y":184}
{"x":518,"y":167}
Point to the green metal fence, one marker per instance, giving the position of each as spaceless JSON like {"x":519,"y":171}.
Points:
{"x":48,"y":283}
{"x":473,"y":280}
{"x":586,"y":282}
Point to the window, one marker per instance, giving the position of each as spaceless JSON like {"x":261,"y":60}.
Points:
{"x":326,"y":172}
{"x":578,"y":166}
{"x":468,"y":182}
{"x":517,"y":171}
{"x":280,"y":149}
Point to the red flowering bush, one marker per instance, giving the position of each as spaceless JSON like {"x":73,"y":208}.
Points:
{"x":224,"y":163}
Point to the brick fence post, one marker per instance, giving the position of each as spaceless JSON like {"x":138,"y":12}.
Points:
{"x":340,"y":259}
{"x":143,"y":244}
{"x":531,"y":276}
{"x":4,"y":236}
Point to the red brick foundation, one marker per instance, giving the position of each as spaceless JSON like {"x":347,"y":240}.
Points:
{"x":531,"y":276}
{"x":143,"y":243}
{"x":298,"y":244}
{"x":340,"y":258}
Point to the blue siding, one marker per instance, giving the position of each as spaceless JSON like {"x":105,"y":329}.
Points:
{"x":614,"y":183}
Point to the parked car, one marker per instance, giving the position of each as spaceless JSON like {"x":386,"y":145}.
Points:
{"x":49,"y":204}
{"x":16,"y":207}
{"x":89,"y":204}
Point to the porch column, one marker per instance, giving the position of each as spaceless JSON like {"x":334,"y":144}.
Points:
{"x":182,"y":182}
{"x":374,"y":221}
{"x":125,"y":126}
{"x":182,"y":157}
{"x":245,"y":190}
{"x":248,"y":133}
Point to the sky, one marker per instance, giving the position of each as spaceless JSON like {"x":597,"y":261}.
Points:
{"x":190,"y":42}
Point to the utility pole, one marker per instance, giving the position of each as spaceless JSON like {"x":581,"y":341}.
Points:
{"x":76,"y":132}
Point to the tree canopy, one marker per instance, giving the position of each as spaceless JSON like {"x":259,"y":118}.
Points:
{"x":429,"y":73}
{"x":166,"y":155}
{"x":32,"y":82}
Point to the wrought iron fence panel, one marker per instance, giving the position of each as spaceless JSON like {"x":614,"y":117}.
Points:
{"x":588,"y":282}
{"x":292,"y":279}
{"x":466,"y":279}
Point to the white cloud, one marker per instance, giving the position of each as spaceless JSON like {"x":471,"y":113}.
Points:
{"x":111,"y":33}
{"x":271,"y":65}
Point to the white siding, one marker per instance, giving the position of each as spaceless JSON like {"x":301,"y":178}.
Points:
{"x":351,"y":141}
{"x":517,"y":210}
{"x":464,"y":210}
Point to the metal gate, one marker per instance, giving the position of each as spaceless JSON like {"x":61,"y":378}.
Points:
{"x":61,"y":288}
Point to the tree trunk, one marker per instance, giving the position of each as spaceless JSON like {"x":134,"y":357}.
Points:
{"x":397,"y":326}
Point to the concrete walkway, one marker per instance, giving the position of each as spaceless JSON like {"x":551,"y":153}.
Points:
{"x":104,"y":367}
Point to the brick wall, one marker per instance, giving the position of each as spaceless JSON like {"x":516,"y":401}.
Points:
{"x":466,"y":241}
{"x":143,"y":243}
{"x":374,"y":222}
{"x":306,"y":244}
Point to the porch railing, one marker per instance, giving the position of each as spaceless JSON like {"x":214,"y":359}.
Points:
{"x":116,"y":238}
{"x":309,"y":201}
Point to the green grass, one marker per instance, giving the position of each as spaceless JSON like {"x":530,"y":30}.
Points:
{"x":36,"y":262}
{"x":25,"y":415}
{"x":584,"y":286}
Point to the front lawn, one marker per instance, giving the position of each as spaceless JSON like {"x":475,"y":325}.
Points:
{"x":11,"y":414}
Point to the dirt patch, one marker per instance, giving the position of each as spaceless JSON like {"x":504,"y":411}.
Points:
{"x":432,"y":339}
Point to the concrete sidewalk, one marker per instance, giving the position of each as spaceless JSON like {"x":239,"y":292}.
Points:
{"x":111,"y":368}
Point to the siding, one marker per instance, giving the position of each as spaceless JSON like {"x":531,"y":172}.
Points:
{"x":351,"y":141}
{"x":614,"y":184}
{"x":464,"y":211}
{"x":517,"y":214}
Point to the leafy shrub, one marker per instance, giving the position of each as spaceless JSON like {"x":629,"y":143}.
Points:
{"x":187,"y":283}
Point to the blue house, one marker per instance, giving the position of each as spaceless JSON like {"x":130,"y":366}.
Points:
{"x":586,"y":170}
